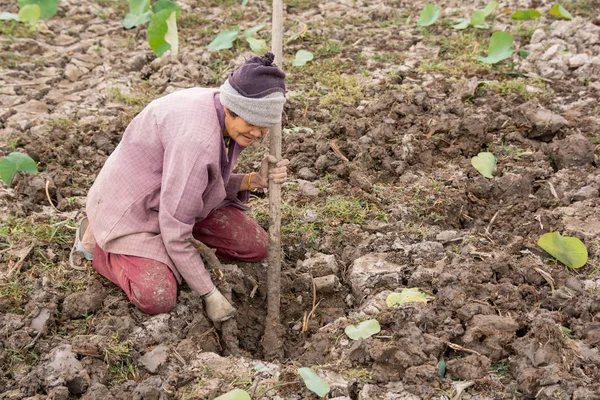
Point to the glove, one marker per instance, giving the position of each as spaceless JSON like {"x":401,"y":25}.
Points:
{"x":217,"y":307}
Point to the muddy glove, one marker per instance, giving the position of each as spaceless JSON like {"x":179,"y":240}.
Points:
{"x":217,"y":307}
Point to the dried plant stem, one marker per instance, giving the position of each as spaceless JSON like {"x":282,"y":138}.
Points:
{"x":48,"y":196}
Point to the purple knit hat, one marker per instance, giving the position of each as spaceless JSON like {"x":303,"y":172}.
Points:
{"x":256,"y":91}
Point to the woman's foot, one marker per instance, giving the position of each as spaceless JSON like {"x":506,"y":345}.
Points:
{"x":84,"y":240}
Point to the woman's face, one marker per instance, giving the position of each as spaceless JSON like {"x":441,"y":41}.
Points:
{"x":241,"y":131}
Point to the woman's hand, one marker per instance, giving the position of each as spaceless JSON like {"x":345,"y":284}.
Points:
{"x":277,"y":174}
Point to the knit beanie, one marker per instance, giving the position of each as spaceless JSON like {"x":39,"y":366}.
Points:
{"x":256,"y":91}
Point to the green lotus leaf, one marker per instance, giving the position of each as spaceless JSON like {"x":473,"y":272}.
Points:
{"x":524,"y":53}
{"x":559,"y":11}
{"x":526,"y":14}
{"x":162,"y":5}
{"x":478,"y":19}
{"x":162,"y":33}
{"x":363,"y":330}
{"x":489,"y":9}
{"x":260,"y":367}
{"x":138,"y":7}
{"x":568,"y":250}
{"x":135,"y":20}
{"x":500,"y":48}
{"x":224,"y":40}
{"x":235,"y":394}
{"x":485,"y":163}
{"x":251,"y":32}
{"x":48,"y":8}
{"x":139,"y":13}
{"x":462,"y":24}
{"x":30,"y":14}
{"x":6,"y":16}
{"x":302,"y":57}
{"x":314,"y":382}
{"x":15,"y":162}
{"x":429,"y":15}
{"x":258,"y":46}
{"x":409,"y":295}
{"x":441,"y":367}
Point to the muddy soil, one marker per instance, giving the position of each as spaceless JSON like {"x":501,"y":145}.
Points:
{"x":380,"y":129}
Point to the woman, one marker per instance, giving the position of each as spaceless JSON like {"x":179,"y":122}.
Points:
{"x":170,"y":178}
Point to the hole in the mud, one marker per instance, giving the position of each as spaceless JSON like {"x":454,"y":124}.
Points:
{"x":354,"y":389}
{"x":522,"y":332}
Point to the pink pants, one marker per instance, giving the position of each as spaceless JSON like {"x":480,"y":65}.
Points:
{"x":151,"y":286}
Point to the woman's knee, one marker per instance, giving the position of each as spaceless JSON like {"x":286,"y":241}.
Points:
{"x":262,"y":248}
{"x":258,"y":246}
{"x":156,"y":296}
{"x":160,"y":299}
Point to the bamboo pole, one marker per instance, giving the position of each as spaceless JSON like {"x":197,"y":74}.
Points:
{"x":273,"y":338}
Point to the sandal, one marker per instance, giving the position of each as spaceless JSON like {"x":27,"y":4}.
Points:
{"x":78,"y":246}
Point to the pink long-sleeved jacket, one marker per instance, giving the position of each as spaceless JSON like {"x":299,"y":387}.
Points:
{"x":170,"y":170}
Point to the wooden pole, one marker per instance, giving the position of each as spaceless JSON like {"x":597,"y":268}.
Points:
{"x":273,"y":338}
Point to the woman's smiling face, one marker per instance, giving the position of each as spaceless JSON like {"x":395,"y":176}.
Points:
{"x":240,"y":130}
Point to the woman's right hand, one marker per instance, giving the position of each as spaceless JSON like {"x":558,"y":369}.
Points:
{"x":277,"y":173}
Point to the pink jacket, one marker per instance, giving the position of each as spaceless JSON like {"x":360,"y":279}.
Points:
{"x":170,"y":170}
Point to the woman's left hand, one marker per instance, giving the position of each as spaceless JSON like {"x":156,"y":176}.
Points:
{"x":277,"y":173}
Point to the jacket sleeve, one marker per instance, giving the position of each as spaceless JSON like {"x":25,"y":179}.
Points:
{"x":233,"y":190}
{"x":186,"y":174}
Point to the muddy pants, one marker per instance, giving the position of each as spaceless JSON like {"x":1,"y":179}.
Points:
{"x":151,"y":286}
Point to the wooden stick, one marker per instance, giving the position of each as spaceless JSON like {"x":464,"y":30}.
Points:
{"x":7,"y":249}
{"x":207,"y":254}
{"x":459,"y":347}
{"x":537,"y":260}
{"x":273,"y":340}
{"x":314,"y":290}
{"x":552,"y":190}
{"x":337,"y":151}
{"x":487,"y":230}
{"x":229,"y":328}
